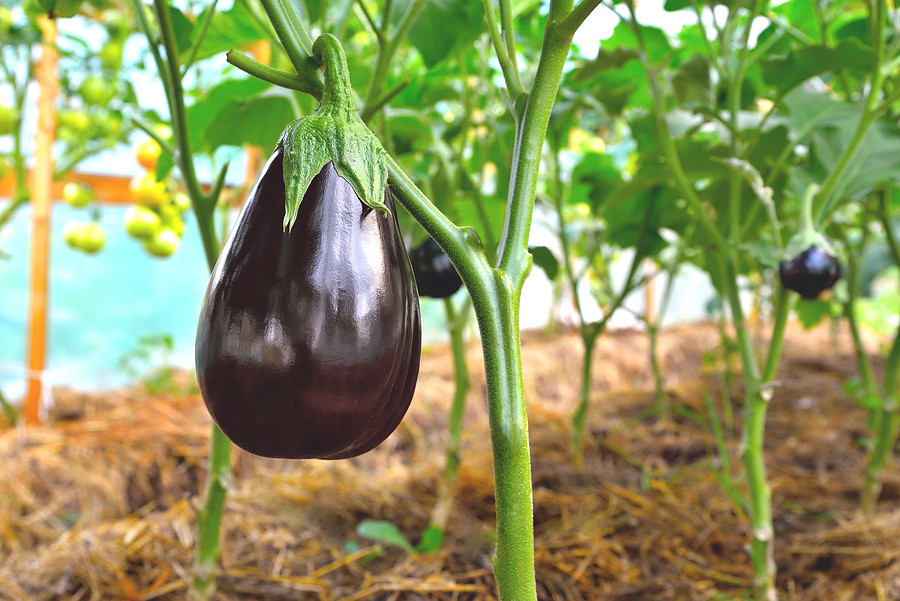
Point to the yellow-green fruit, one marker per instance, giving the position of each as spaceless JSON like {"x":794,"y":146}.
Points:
{"x":78,"y":194}
{"x":111,"y":54}
{"x":92,"y":237}
{"x":71,"y":232}
{"x":97,"y":90}
{"x":147,"y":191}
{"x":141,"y":222}
{"x":163,"y":243}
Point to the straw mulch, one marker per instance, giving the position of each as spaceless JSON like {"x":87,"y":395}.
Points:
{"x":99,"y":503}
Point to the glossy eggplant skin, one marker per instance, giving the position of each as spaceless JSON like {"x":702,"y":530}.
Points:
{"x":435,"y":275}
{"x":309,"y":340}
{"x":810,"y":273}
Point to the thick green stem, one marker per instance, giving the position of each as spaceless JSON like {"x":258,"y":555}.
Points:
{"x":209,"y":517}
{"x":514,"y":259}
{"x":296,"y":47}
{"x":337,"y":96}
{"x":302,"y":82}
{"x":758,"y":393}
{"x":457,"y":322}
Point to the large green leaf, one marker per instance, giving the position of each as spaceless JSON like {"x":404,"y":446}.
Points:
{"x":594,"y":179}
{"x":787,"y":72}
{"x":258,"y":121}
{"x":444,"y":25}
{"x":182,"y":27}
{"x":60,"y":8}
{"x":234,"y":28}
{"x":203,"y":114}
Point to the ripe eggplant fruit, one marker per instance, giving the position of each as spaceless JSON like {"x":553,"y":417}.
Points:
{"x":810,"y":272}
{"x":309,"y":339}
{"x":435,"y":275}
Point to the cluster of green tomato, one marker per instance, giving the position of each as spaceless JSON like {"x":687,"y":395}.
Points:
{"x":156,"y":218}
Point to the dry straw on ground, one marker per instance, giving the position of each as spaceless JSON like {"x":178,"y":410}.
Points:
{"x":99,"y":504}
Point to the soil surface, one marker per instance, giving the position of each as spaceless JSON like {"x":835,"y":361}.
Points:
{"x":99,"y":503}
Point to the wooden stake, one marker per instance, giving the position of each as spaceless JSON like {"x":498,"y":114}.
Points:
{"x":41,"y":191}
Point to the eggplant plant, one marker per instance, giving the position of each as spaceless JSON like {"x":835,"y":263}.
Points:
{"x":495,"y":290}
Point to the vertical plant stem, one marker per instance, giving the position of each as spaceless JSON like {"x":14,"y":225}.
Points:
{"x":209,"y":517}
{"x":457,"y":322}
{"x":659,"y":389}
{"x":886,"y":435}
{"x":579,"y":417}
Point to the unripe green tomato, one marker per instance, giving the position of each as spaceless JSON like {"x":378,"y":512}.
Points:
{"x":78,"y":194}
{"x":91,"y":237}
{"x":141,"y":222}
{"x":97,"y":90}
{"x":111,"y":55}
{"x":7,"y":120}
{"x":147,"y":191}
{"x":182,"y":201}
{"x":174,"y":223}
{"x":163,"y":243}
{"x":71,"y":233}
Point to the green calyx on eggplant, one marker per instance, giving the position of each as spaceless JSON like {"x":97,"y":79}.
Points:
{"x":435,"y":275}
{"x":334,"y":133}
{"x":309,"y":337}
{"x":309,"y":340}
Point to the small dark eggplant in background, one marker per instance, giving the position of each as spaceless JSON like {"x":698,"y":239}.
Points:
{"x":810,"y":272}
{"x":435,"y":275}
{"x":309,"y":340}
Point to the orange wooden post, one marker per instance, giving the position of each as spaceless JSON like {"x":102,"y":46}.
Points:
{"x":41,"y":198}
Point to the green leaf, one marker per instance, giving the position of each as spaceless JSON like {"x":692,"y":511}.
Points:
{"x":204,"y":114}
{"x":764,"y":252}
{"x":787,"y":72}
{"x":812,"y":312}
{"x":60,"y":8}
{"x":596,"y":176}
{"x":234,"y":28}
{"x":431,"y":540}
{"x":410,"y":131}
{"x":164,"y":165}
{"x":691,"y":82}
{"x":445,"y":25}
{"x":183,"y":28}
{"x":384,"y":532}
{"x":546,"y":260}
{"x":255,"y":122}
{"x":313,"y":9}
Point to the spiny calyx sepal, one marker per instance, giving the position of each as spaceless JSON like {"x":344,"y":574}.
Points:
{"x":311,"y":143}
{"x":333,"y":134}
